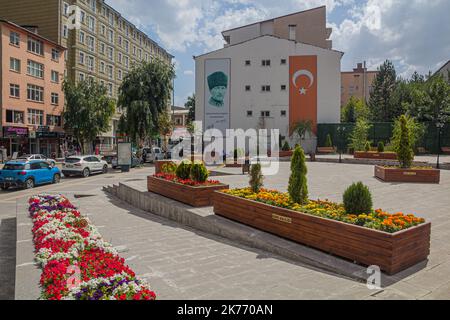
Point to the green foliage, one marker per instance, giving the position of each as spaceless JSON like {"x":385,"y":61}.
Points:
{"x":380,"y":147}
{"x":184,"y":170}
{"x":190,"y":104}
{"x":286,"y":146}
{"x":145,"y":93}
{"x":381,"y":103}
{"x":199,"y":173}
{"x":358,"y":199}
{"x":416,"y":132}
{"x":359,"y":136}
{"x":355,"y":109}
{"x":403,"y":144}
{"x":169,"y":168}
{"x":88,"y":110}
{"x":328,"y":142}
{"x":302,"y":128}
{"x":367,"y":147}
{"x":256,"y":178}
{"x":298,"y":185}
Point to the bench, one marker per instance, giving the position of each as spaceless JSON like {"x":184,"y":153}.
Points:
{"x":446,"y":150}
{"x":326,"y":150}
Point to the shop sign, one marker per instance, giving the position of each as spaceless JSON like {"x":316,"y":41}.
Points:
{"x":13,"y":132}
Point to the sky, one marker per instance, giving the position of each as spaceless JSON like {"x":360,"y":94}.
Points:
{"x":414,"y":34}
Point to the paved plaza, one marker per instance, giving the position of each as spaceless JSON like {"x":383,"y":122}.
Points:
{"x":183,"y":263}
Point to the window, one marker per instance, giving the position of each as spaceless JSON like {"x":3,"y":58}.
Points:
{"x":65,"y":31}
{"x":119,"y":75}
{"x":110,"y":71}
{"x":127,"y":46}
{"x":35,"y":117}
{"x":102,"y":48}
{"x":265,"y":63}
{"x":91,"y":23}
{"x":14,"y":38}
{"x":14,"y":64}
{"x":265,"y":114}
{"x":83,"y":16}
{"x":119,"y":58}
{"x":126,"y":59}
{"x":111,"y":19}
{"x":13,"y":116}
{"x":54,"y":121}
{"x":81,"y":76}
{"x":55,"y":76}
{"x":91,"y":43}
{"x":93,"y":5}
{"x":110,"y":89}
{"x":104,"y":11}
{"x":14,"y":90}
{"x":111,"y":36}
{"x":55,"y":99}
{"x":82,"y":37}
{"x":248,"y":88}
{"x":102,"y":67}
{"x":120,"y":41}
{"x":35,"y":69}
{"x":292,"y":32}
{"x":35,"y":93}
{"x":55,"y":55}
{"x":110,"y":53}
{"x":90,"y":63}
{"x":249,"y":113}
{"x":81,"y":58}
{"x":35,"y":46}
{"x":283,"y":113}
{"x":265,"y":88}
{"x":103,"y":30}
{"x":66,"y":9}
{"x":283,"y":87}
{"x":283,"y":61}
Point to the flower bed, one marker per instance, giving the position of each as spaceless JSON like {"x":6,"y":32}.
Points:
{"x":375,"y":155}
{"x":186,"y":191}
{"x":412,"y":175}
{"x":394,"y":242}
{"x":77,"y":264}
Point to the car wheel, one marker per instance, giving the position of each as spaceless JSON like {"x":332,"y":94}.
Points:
{"x":86,"y":173}
{"x":105,"y":169}
{"x":56,"y":178}
{"x":29,"y":184}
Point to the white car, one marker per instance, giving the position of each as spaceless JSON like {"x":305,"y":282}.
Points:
{"x":84,"y":166}
{"x":155,"y":155}
{"x":31,"y":157}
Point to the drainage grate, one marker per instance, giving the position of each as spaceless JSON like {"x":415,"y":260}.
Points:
{"x":79,"y":196}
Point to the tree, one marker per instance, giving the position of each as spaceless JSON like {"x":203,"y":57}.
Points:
{"x":256,"y":178}
{"x":403,"y":145}
{"x":88,"y":111}
{"x":302,"y":128}
{"x":381,"y":104}
{"x":355,"y":109}
{"x":165,"y":125}
{"x":433,"y":102}
{"x":298,"y":185}
{"x":190,"y":104}
{"x":145,"y":93}
{"x":416,"y":131}
{"x":360,"y":135}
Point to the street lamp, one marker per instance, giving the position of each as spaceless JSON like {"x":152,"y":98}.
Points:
{"x":439,"y":126}
{"x":341,"y":132}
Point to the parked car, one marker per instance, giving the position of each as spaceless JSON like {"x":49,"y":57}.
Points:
{"x":28,"y":174}
{"x":155,"y":154}
{"x":84,"y":166}
{"x":30,"y":157}
{"x":135,"y":161}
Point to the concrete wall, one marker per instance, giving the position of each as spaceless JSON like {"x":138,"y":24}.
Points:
{"x":268,"y":47}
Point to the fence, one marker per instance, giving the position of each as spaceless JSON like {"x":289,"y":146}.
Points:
{"x":381,"y":132}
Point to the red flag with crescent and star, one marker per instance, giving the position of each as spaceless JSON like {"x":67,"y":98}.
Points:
{"x":303,"y":90}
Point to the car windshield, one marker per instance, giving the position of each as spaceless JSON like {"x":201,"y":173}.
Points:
{"x":14,"y":166}
{"x":73,"y":160}
{"x":25,"y":156}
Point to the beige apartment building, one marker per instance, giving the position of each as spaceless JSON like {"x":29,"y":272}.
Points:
{"x":104,"y":48}
{"x":31,"y":98}
{"x":445,"y":71}
{"x":308,"y":27}
{"x":357,"y":83}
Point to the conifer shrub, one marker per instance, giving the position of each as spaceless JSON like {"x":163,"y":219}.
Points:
{"x":184,"y":170}
{"x":298,"y":185}
{"x":358,"y":199}
{"x":329,"y":142}
{"x":367,"y":146}
{"x":286,"y":146}
{"x":403,"y":145}
{"x":199,"y":172}
{"x":380,"y":147}
{"x":256,"y":178}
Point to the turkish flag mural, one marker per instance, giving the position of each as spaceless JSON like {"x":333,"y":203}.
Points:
{"x":303,"y":90}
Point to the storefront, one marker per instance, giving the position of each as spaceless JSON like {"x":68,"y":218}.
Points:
{"x":15,"y":140}
{"x":47,"y":142}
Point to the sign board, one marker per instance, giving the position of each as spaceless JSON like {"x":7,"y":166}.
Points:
{"x":217,"y":94}
{"x":124,"y":154}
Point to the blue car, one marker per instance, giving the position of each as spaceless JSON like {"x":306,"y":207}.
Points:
{"x":28,"y":174}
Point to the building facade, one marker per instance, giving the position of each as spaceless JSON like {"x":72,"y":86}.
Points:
{"x":104,"y":48}
{"x":445,"y":71}
{"x":31,"y":99}
{"x":357,"y":83}
{"x":268,"y":82}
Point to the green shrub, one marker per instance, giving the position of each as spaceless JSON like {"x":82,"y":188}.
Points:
{"x":256,"y":178}
{"x":380,"y":146}
{"x":199,"y":173}
{"x":360,"y":135}
{"x":358,"y":199}
{"x":286,"y":146}
{"x":367,"y":146}
{"x":298,"y":187}
{"x":329,"y":142}
{"x":403,"y":143}
{"x":169,"y":168}
{"x":184,"y":170}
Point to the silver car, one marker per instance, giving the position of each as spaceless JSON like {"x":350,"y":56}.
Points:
{"x":84,"y":166}
{"x":31,"y":157}
{"x":155,"y":154}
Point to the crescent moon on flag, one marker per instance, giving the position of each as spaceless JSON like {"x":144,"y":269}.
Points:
{"x":303,"y":73}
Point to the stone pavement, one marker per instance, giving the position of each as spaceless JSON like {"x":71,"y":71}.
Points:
{"x":7,"y":249}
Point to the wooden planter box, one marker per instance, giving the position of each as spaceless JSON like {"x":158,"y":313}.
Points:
{"x":326,"y":150}
{"x":193,"y":196}
{"x":391,"y":252}
{"x":375,"y":155}
{"x":286,"y":154}
{"x":234,"y":165}
{"x":408,"y":175}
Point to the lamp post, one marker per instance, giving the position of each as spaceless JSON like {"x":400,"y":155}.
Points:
{"x":341,"y":131}
{"x":439,"y":126}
